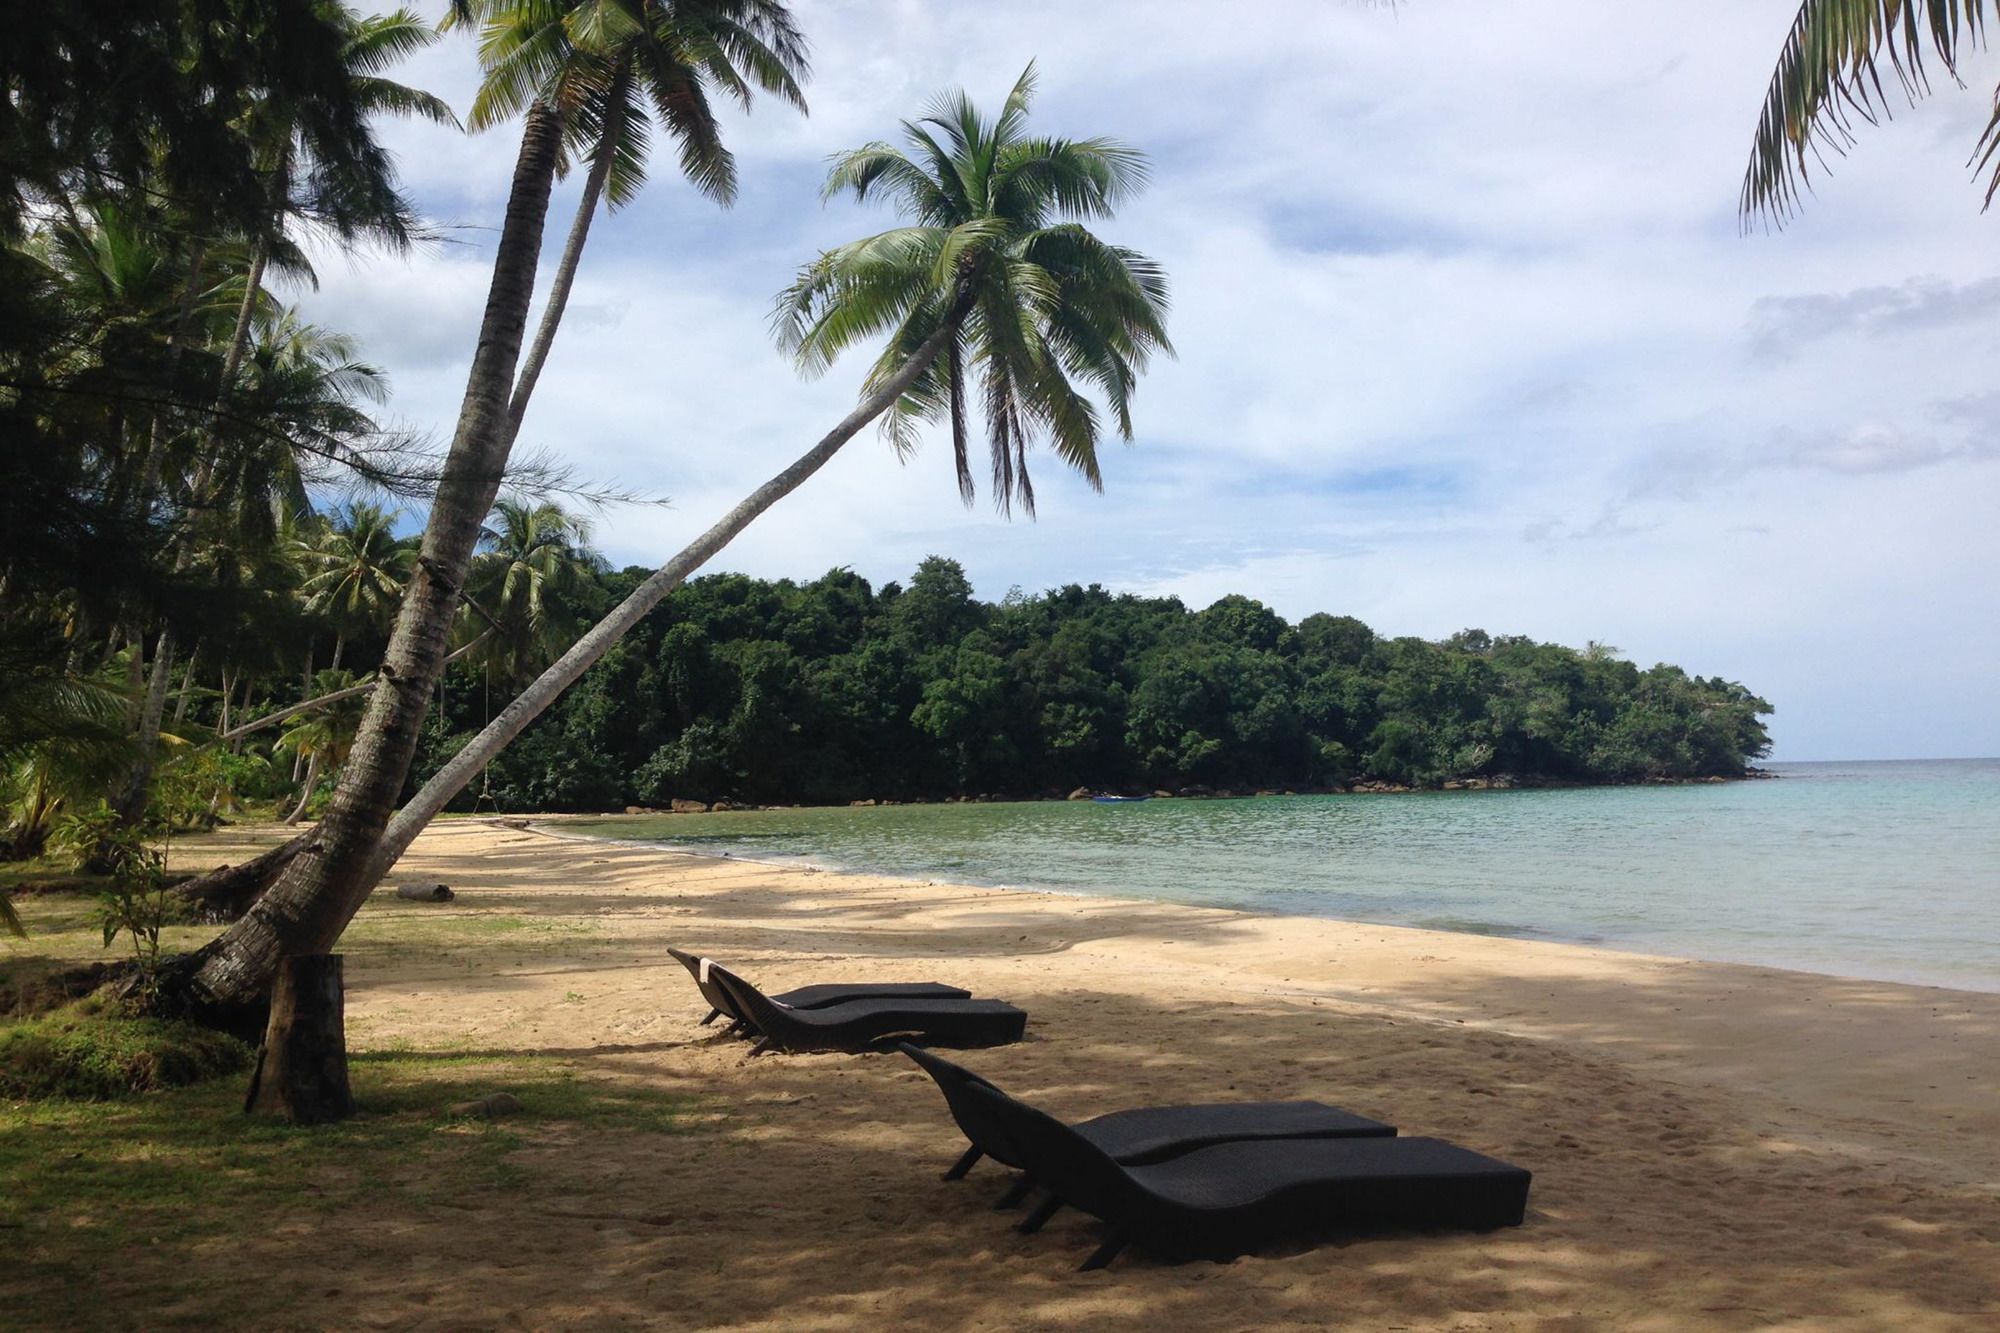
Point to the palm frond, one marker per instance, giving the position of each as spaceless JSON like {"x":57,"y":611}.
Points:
{"x":1829,"y":75}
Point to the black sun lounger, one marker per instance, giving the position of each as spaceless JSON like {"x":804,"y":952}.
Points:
{"x":815,"y":997}
{"x":865,"y":1025}
{"x":1142,"y":1135}
{"x":1221,"y":1201}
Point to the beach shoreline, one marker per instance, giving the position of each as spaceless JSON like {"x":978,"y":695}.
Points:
{"x":1715,"y":1146}
{"x":565,"y":825}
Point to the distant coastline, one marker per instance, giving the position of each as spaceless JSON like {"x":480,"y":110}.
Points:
{"x":1363,"y":787}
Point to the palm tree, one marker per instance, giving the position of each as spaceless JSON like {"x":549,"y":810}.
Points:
{"x":334,"y":187}
{"x":1829,"y":73}
{"x":302,"y":402}
{"x":62,"y":737}
{"x":328,"y":172}
{"x":524,"y":586}
{"x":357,"y":567}
{"x":609,"y":68}
{"x":306,"y":911}
{"x":996,"y":278}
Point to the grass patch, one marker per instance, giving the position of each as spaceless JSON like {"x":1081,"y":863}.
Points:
{"x":90,"y":1052}
{"x":148,"y":1202}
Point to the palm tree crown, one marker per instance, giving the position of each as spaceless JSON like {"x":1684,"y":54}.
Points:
{"x":524,"y":585}
{"x":358,"y":567}
{"x":997,"y":257}
{"x":592,"y":60}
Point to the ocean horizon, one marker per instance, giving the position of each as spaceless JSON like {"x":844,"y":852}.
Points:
{"x":1881,"y":869}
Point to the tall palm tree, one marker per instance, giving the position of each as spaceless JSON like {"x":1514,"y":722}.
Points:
{"x":996,"y":279}
{"x":353,"y":196}
{"x":525,"y":585}
{"x":325,"y":172}
{"x":1830,"y":73}
{"x":356,"y":569}
{"x":309,"y":907}
{"x":610,"y":68}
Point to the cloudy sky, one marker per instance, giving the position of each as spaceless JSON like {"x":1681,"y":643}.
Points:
{"x":1467,"y":336}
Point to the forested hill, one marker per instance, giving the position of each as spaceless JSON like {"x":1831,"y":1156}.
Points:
{"x":830,"y":691}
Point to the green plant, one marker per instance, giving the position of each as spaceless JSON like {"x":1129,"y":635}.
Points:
{"x":135,"y":901}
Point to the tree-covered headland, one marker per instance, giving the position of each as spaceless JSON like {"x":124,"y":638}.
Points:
{"x":832,"y":690}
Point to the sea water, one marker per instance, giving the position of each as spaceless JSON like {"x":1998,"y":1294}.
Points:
{"x":1887,"y":870}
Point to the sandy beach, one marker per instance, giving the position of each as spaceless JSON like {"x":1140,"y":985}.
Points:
{"x":1713,"y":1146}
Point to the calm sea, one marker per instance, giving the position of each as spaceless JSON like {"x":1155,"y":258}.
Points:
{"x":1883,"y":870}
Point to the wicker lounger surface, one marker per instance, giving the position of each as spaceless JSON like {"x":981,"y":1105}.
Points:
{"x":861,"y":1025}
{"x":1147,"y":1133}
{"x":816,"y":996}
{"x":1223,"y":1200}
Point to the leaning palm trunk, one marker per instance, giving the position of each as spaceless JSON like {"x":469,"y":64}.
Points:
{"x":450,"y":780}
{"x":305,"y":790}
{"x":225,"y":732}
{"x":305,"y":911}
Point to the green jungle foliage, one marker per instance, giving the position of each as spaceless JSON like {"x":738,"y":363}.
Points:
{"x":779,"y":692}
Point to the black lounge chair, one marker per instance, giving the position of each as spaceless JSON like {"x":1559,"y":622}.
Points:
{"x":1224,"y":1200}
{"x":1136,"y":1137}
{"x":814,"y":997}
{"x":866,"y":1025}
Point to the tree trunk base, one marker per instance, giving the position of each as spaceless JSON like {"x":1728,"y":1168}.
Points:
{"x":301,"y":1073}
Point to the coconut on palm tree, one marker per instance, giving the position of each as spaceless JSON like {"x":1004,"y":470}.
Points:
{"x":994,"y":282}
{"x":1830,"y":73}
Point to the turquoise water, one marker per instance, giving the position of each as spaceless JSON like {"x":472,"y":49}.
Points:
{"x":1883,"y":870}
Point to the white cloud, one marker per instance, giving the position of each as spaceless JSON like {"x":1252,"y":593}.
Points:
{"x":1447,"y":276}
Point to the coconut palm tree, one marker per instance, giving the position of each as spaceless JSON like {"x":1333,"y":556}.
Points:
{"x":327,"y":172}
{"x":611,"y":68}
{"x":356,"y":568}
{"x":347,"y":187}
{"x":1830,"y":73}
{"x":996,"y":280}
{"x":308,"y":908}
{"x":525,"y":586}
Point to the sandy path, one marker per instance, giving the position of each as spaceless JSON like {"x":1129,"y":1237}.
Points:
{"x":1714,"y":1146}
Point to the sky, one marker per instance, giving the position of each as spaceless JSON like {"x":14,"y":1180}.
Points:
{"x":1468,"y":335}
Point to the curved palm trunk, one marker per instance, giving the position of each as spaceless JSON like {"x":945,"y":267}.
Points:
{"x":305,"y":790}
{"x":584,"y":653}
{"x":305,"y":911}
{"x":253,"y":282}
